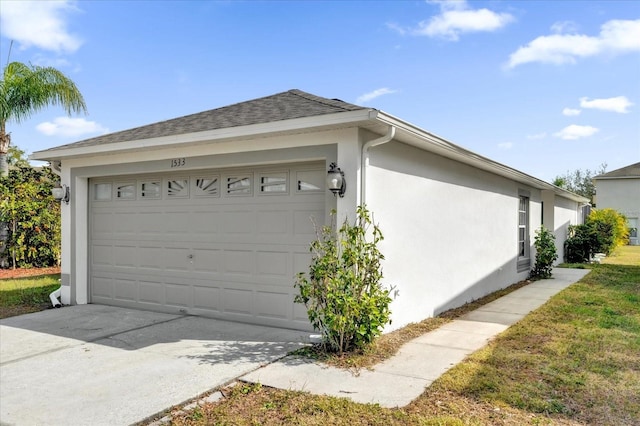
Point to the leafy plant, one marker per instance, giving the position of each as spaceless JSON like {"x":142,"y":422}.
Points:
{"x":31,"y":215}
{"x":28,"y":89}
{"x":612,"y":227}
{"x":603,"y":232}
{"x":546,"y":253}
{"x":345,"y":300}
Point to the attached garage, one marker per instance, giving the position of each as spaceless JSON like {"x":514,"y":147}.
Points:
{"x":224,"y":243}
{"x":212,"y":213}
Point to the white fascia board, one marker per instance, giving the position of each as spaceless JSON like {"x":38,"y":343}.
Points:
{"x":615,"y":177}
{"x":436,"y":144}
{"x":250,"y":131}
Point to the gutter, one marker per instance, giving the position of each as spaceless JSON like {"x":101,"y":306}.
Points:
{"x":364,"y":157}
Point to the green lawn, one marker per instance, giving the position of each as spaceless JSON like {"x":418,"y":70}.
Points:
{"x":574,"y":361}
{"x":24,"y":295}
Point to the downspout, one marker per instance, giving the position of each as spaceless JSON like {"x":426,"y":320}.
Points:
{"x":54,"y":296}
{"x":55,"y":167}
{"x":391,"y":132}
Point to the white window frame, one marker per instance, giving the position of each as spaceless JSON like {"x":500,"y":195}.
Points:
{"x":524,"y":245}
{"x":322,"y":175}
{"x":283,"y":179}
{"x":243,"y":191}
{"x":117,"y":191}
{"x":200,"y":192}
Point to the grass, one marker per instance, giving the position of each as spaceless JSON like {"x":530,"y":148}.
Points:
{"x":574,"y":361}
{"x":627,"y":255}
{"x":24,"y":295}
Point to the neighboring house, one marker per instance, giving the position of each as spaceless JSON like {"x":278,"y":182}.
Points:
{"x":212,"y":214}
{"x":620,"y":190}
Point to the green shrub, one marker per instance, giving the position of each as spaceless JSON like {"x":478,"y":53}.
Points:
{"x":611,"y":227}
{"x":603,"y":232}
{"x":345,"y":300}
{"x":580,"y":246}
{"x":545,"y":253}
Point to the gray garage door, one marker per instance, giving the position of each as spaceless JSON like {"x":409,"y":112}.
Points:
{"x":219,"y":243}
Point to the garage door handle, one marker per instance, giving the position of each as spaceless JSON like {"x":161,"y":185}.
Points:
{"x":190,"y":256}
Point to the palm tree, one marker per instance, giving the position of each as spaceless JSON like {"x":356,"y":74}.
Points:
{"x":27,"y":89}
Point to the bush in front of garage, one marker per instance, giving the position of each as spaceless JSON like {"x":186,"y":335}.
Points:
{"x":342,"y":291}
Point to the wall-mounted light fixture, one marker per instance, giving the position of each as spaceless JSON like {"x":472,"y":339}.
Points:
{"x":335,"y":180}
{"x":61,"y":193}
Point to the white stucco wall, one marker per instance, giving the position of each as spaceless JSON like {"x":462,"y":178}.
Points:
{"x":450,"y":229}
{"x":565,"y":214}
{"x":622,"y":195}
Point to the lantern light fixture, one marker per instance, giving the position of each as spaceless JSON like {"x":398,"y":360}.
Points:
{"x":335,"y":180}
{"x":60,"y":193}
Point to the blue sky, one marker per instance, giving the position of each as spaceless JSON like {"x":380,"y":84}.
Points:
{"x":541,"y":86}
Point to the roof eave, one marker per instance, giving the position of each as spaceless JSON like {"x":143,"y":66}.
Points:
{"x":615,"y":177}
{"x":433,"y":143}
{"x":362,"y":116}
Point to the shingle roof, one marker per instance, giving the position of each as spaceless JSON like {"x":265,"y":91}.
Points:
{"x":281,"y":106}
{"x":632,"y":170}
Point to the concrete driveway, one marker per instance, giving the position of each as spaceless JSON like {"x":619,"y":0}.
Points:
{"x":102,"y":365}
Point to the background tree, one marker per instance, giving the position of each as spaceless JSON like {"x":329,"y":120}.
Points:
{"x":27,"y":89}
{"x":580,"y":181}
{"x":31,"y":215}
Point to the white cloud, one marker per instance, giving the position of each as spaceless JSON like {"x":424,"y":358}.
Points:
{"x":397,"y":28}
{"x":505,"y":145}
{"x":616,"y":37}
{"x":571,"y":112}
{"x":618,"y":104}
{"x":456,"y":18}
{"x":576,"y":131}
{"x":372,"y":95}
{"x":42,"y":24}
{"x":537,"y":136}
{"x":70,"y":127}
{"x":563,"y":27}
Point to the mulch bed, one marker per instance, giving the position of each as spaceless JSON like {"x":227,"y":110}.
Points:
{"x":31,"y":272}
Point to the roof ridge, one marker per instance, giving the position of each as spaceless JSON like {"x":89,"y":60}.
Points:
{"x":632,"y":170}
{"x":336,"y":103}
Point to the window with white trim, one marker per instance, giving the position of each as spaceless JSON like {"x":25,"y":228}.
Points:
{"x":102,"y":192}
{"x":239,"y":185}
{"x":125,"y":191}
{"x":273,"y":183}
{"x":524,"y":261}
{"x":310,"y":180}
{"x":150,"y":189}
{"x":207,"y":186}
{"x":178,"y":188}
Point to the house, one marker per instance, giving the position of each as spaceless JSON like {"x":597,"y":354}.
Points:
{"x":620,"y":190}
{"x":212,"y":213}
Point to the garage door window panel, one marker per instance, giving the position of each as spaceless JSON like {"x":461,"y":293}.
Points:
{"x":310,"y":181}
{"x":102,"y":192}
{"x":273,"y":183}
{"x":126,"y":191}
{"x":207,"y":186}
{"x":150,"y":189}
{"x":178,"y":187}
{"x":239,"y":185}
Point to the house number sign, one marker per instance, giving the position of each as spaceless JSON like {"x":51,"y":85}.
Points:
{"x":178,"y":162}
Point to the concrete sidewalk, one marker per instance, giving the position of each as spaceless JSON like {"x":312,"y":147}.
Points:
{"x":402,"y":378}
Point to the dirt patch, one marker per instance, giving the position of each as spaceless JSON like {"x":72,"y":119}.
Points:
{"x":31,"y":272}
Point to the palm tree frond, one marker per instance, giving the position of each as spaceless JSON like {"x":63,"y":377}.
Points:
{"x":27,"y":89}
